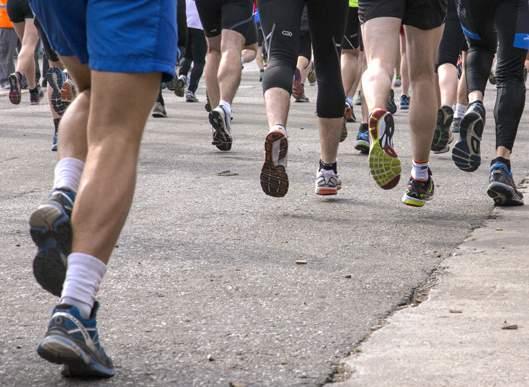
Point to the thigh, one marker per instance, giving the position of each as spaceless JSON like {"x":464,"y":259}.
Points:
{"x":425,"y":14}
{"x":422,"y":49}
{"x":351,"y":39}
{"x":133,"y":36}
{"x":521,"y":38}
{"x":453,"y":40}
{"x":210,"y":16}
{"x":477,"y":22}
{"x":237,"y":16}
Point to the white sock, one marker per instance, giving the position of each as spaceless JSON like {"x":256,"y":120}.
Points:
{"x":460,"y":110}
{"x":226,"y":106}
{"x":83,"y":276}
{"x":68,"y":173}
{"x":280,"y":127}
{"x":420,"y":171}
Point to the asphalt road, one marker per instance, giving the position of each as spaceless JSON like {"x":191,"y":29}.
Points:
{"x":204,"y":288}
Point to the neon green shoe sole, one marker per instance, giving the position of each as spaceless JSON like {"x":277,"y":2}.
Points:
{"x":384,"y":168}
{"x":412,"y":202}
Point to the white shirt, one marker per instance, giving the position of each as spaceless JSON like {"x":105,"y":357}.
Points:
{"x":193,"y":20}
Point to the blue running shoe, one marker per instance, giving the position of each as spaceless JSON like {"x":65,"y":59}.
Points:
{"x":362,"y":139}
{"x":73,"y":341}
{"x":404,"y":102}
{"x":51,"y":231}
{"x":502,"y":188}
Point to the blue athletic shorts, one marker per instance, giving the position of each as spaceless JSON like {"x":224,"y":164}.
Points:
{"x":124,"y":36}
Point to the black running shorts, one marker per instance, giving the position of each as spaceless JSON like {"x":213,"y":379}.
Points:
{"x":423,"y":14}
{"x":18,"y":10}
{"x":218,"y":15}
{"x":352,"y":37}
{"x":453,"y":40}
{"x":251,"y":34}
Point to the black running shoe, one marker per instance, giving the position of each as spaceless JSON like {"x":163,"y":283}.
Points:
{"x":466,"y":153}
{"x":419,"y":192}
{"x":221,"y":123}
{"x":502,"y":188}
{"x":35,"y":95}
{"x":15,"y":88}
{"x":55,"y":79}
{"x":391,"y":106}
{"x":441,"y":136}
{"x":51,"y":231}
{"x":74,"y":341}
{"x":180,"y":86}
{"x":456,"y":125}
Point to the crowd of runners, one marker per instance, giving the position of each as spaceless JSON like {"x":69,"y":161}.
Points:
{"x":440,"y":53}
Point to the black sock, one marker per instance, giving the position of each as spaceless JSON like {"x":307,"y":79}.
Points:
{"x":333,"y":166}
{"x":502,"y":160}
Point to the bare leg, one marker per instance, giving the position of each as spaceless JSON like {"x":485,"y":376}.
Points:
{"x":229,"y":74}
{"x":28,"y":35}
{"x":448,"y":84}
{"x":211,"y":70}
{"x":404,"y":74}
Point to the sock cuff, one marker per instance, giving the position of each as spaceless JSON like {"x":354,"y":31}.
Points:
{"x":87,"y":262}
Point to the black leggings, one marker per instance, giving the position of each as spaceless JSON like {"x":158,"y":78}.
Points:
{"x":195,"y":53}
{"x":491,"y":24}
{"x":305,"y":45}
{"x":281,"y":23}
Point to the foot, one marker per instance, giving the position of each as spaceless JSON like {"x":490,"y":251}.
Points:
{"x":159,"y":111}
{"x":68,"y":91}
{"x":220,"y":121}
{"x":180,"y":86}
{"x":362,"y":139}
{"x":349,"y":112}
{"x":54,"y":142}
{"x":274,"y":178}
{"x":397,"y":82}
{"x":51,"y":231}
{"x":404,"y":102}
{"x":73,"y":341}
{"x":384,"y":163}
{"x":191,"y":97}
{"x":390,"y":105}
{"x":343,"y":133}
{"x":327,"y":181}
{"x":35,"y":95}
{"x":419,"y":192}
{"x":442,"y":134}
{"x":56,"y":81}
{"x":207,"y":106}
{"x":466,"y":153}
{"x":311,"y":76}
{"x":456,"y":125}
{"x":15,"y":89}
{"x":502,"y":188}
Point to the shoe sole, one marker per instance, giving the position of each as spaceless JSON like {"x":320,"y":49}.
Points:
{"x":14,"y":90}
{"x":159,"y":115}
{"x":413,"y":202}
{"x":503,"y":195}
{"x":327,"y":191}
{"x":180,"y":87}
{"x":362,"y":146}
{"x":67,"y":93}
{"x":468,"y":158}
{"x":60,"y":350}
{"x":447,"y":147}
{"x":441,"y":136}
{"x":56,"y":87}
{"x":274,"y":178}
{"x":221,"y":138}
{"x":49,"y":227}
{"x":384,"y":168}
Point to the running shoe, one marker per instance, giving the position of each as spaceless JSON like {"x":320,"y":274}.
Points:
{"x":35,"y":95}
{"x":274,"y":178}
{"x":302,"y":99}
{"x":74,"y":342}
{"x":466,"y":152}
{"x":502,"y":188}
{"x":397,"y":82}
{"x":171,"y":85}
{"x":311,"y":76}
{"x":404,"y":102}
{"x":261,"y":73}
{"x":191,"y":97}
{"x":68,"y":91}
{"x":343,"y":132}
{"x":384,"y":163}
{"x":349,"y":112}
{"x":220,"y":121}
{"x":419,"y":192}
{"x":298,"y":89}
{"x":391,"y":106}
{"x":442,"y":134}
{"x":362,"y":139}
{"x":55,"y":79}
{"x":207,"y":106}
{"x":180,"y":86}
{"x":51,"y":231}
{"x":159,"y":111}
{"x":15,"y":89}
{"x":54,"y":142}
{"x":456,"y":125}
{"x":327,"y":182}
{"x":357,"y":100}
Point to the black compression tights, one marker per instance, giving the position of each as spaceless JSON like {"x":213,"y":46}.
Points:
{"x":483,"y":19}
{"x":280,"y":20}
